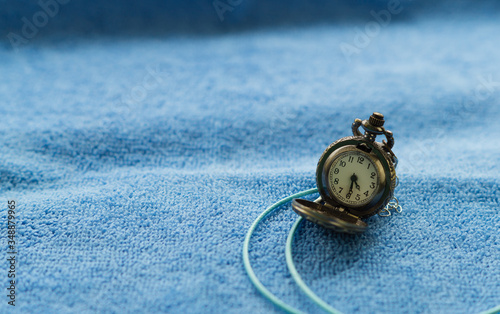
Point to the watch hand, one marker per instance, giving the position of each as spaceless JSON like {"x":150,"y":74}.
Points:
{"x":353,"y":179}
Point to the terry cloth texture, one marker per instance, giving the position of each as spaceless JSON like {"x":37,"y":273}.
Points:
{"x":138,"y":163}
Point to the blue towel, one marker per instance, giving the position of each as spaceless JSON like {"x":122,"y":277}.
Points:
{"x":138,"y":161}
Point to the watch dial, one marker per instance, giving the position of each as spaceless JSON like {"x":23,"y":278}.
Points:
{"x":353,"y":178}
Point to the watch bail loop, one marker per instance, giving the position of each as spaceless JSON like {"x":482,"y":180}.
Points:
{"x":373,"y":126}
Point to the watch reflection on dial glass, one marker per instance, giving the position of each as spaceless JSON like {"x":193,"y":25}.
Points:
{"x":353,"y":178}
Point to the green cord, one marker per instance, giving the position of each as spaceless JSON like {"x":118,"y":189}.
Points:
{"x":494,"y":310}
{"x":246,"y":260}
{"x":289,"y":261}
{"x":295,"y":274}
{"x":305,"y":288}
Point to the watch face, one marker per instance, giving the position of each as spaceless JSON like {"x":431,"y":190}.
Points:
{"x":353,"y":178}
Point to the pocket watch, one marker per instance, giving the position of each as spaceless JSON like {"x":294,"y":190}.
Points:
{"x":356,"y":178}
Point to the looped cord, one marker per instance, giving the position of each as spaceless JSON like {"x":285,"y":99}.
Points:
{"x":289,"y":260}
{"x":246,"y":260}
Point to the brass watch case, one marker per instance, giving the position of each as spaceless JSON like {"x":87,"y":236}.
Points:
{"x":336,"y":214}
{"x":385,"y":167}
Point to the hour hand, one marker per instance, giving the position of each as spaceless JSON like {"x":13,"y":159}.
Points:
{"x":357,"y":186}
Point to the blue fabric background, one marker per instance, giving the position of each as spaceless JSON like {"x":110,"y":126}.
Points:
{"x":141,"y":139}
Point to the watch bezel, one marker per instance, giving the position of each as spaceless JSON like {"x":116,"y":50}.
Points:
{"x":338,"y":154}
{"x":385,"y":168}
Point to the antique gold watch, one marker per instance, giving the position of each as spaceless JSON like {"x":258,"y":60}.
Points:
{"x":356,"y":178}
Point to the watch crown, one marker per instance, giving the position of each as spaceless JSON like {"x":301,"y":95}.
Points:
{"x":377,"y":119}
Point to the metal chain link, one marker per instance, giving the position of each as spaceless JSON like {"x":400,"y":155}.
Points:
{"x":392,"y":205}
